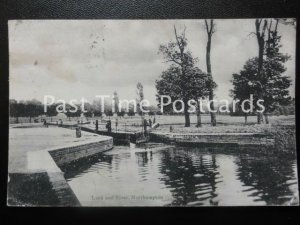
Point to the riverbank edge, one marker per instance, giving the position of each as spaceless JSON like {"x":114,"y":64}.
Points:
{"x":270,"y":140}
{"x":239,"y":139}
{"x":278,"y":139}
{"x":46,"y":185}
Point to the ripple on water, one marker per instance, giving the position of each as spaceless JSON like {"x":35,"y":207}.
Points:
{"x":184,"y":176}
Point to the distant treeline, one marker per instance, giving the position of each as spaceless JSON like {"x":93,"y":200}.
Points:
{"x":34,"y":108}
{"x":279,"y":110}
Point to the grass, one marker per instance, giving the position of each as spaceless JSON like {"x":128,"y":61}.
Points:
{"x":207,"y":128}
{"x":225,"y":123}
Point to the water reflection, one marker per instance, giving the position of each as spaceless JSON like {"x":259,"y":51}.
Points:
{"x":270,"y":178}
{"x":181,"y":176}
{"x":190,"y":176}
{"x":85,"y":165}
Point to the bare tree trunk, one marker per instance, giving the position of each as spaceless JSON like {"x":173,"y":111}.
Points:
{"x":260,"y":65}
{"x":260,"y":118}
{"x":210,"y":31}
{"x":199,"y":124}
{"x":213,"y":119}
{"x":260,"y":34}
{"x":269,"y":30}
{"x":186,"y":114}
{"x":183,"y":77}
{"x":185,"y":101}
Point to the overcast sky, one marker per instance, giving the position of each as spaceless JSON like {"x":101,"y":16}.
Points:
{"x":70,"y":59}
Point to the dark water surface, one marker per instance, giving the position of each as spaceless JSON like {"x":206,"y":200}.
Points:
{"x":158,"y":176}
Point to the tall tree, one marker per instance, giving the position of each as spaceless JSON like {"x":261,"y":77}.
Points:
{"x":210,"y":29}
{"x":274,"y":82}
{"x":140,"y":97}
{"x":260,"y":31}
{"x":268,"y":52}
{"x":243,"y":88}
{"x":116,"y":102}
{"x":176,"y":53}
{"x":199,"y":86}
{"x":274,"y":71}
{"x":169,"y":83}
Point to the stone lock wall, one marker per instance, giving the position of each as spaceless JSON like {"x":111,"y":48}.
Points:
{"x":69,"y":154}
{"x":239,"y":139}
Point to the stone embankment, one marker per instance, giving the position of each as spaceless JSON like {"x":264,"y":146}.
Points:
{"x":239,"y":139}
{"x":35,"y":155}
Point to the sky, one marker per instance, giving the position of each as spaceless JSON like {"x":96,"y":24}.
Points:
{"x":71,"y":59}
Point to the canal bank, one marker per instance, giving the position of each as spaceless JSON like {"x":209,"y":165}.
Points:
{"x":37,"y":173}
{"x":265,"y":138}
{"x":268,"y":139}
{"x":239,"y":139}
{"x":35,"y":155}
{"x":119,"y":137}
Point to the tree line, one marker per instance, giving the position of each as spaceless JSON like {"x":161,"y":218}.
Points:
{"x":262,"y":76}
{"x":34,"y":108}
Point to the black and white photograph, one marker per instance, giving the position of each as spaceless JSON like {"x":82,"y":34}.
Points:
{"x":162,"y":112}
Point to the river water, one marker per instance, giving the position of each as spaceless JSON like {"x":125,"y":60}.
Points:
{"x":158,"y":175}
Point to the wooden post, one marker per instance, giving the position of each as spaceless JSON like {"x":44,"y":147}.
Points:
{"x":78,"y":132}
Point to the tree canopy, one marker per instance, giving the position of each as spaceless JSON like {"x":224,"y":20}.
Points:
{"x":274,"y":84}
{"x":169,"y":83}
{"x":182,"y":80}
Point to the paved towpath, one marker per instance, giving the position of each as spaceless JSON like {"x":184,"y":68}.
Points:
{"x":25,"y":141}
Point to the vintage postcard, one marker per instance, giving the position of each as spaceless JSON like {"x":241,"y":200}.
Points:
{"x":152,"y":112}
